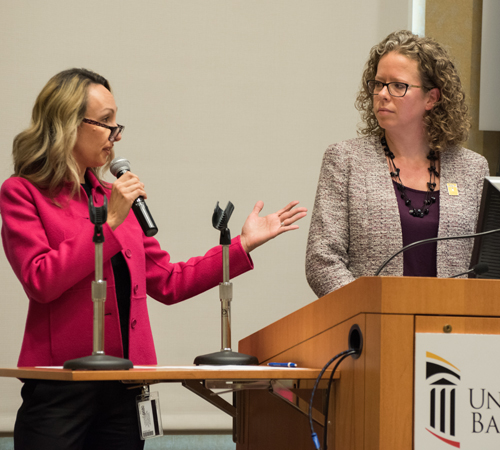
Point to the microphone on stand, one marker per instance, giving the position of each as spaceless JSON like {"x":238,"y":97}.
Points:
{"x":118,"y":167}
{"x":426,"y":241}
{"x":478,"y":269}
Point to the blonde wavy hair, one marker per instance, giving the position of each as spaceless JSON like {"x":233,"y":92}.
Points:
{"x":448,"y":122}
{"x":43,"y":153}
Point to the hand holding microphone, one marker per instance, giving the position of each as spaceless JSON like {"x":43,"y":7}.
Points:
{"x":130,"y":186}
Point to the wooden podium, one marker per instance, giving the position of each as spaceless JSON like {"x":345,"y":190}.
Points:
{"x":372,"y":404}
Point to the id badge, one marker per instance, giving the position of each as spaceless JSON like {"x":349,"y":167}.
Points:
{"x":148,"y":412}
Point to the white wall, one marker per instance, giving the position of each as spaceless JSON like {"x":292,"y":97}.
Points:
{"x":222,"y":100}
{"x":489,"y":96}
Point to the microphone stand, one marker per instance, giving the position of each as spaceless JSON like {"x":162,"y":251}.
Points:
{"x":98,"y":360}
{"x":226,"y":356}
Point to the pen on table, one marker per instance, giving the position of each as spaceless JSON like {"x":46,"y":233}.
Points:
{"x":278,"y":364}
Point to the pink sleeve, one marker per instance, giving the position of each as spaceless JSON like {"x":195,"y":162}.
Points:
{"x":173,"y":282}
{"x":47,"y":258}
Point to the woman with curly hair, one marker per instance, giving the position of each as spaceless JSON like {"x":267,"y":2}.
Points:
{"x":406,"y":179}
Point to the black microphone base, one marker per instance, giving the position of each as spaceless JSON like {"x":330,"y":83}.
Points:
{"x":226,"y":358}
{"x":98,"y":362}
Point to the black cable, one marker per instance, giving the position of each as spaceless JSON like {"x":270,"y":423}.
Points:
{"x":478,"y":269}
{"x":325,"y":430}
{"x":342,"y":354}
{"x":425,"y":241}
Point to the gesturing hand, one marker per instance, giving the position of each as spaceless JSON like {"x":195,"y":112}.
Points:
{"x":258,"y":230}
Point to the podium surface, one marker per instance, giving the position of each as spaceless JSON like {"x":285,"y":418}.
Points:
{"x":372,"y":405}
{"x":162,"y":373}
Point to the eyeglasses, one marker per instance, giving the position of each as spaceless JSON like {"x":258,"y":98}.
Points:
{"x":395,"y":88}
{"x":115,"y":131}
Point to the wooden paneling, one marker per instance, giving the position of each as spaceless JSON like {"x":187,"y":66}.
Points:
{"x":396,"y":381}
{"x":389,"y":295}
{"x":468,"y":325}
{"x":346,"y":405}
{"x":270,"y":424}
{"x":372,"y":402}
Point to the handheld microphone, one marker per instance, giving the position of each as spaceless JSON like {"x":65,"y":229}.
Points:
{"x":478,"y":269}
{"x":118,"y":167}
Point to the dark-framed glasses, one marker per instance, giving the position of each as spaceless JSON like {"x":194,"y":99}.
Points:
{"x":395,"y":88}
{"x":115,"y":131}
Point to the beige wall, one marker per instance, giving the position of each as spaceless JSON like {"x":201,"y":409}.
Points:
{"x":222,"y":100}
{"x":457,"y":25}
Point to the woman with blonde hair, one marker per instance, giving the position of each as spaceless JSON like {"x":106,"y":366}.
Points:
{"x":48,"y":239}
{"x":43,"y":153}
{"x":406,"y":179}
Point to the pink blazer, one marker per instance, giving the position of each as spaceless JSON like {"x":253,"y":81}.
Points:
{"x":51,"y":251}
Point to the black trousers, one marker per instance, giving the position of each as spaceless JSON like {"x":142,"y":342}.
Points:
{"x":77,"y":415}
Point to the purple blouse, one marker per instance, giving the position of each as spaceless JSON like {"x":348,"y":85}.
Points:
{"x":419,"y":261}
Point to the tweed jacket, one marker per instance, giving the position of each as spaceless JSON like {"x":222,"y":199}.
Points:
{"x":51,"y":251}
{"x":356,"y":226}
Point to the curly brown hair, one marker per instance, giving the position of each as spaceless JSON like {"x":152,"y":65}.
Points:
{"x":448,"y":122}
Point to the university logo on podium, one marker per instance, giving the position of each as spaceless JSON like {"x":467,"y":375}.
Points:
{"x":442,"y":381}
{"x":457,"y":391}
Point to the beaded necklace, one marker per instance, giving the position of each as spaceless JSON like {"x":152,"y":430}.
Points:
{"x":431,"y":185}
